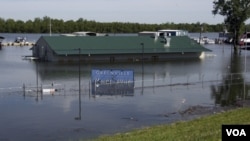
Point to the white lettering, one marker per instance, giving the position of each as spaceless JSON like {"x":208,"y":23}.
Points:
{"x":242,"y":132}
{"x":229,"y":132}
{"x":236,"y":132}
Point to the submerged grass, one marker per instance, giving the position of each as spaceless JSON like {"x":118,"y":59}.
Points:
{"x":207,"y":128}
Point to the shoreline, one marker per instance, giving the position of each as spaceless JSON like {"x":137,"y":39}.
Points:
{"x":181,"y":130}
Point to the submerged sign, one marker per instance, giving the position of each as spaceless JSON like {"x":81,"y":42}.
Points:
{"x":112,"y":76}
{"x":112,"y":81}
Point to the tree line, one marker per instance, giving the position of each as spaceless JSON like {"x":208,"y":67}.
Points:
{"x":42,"y":25}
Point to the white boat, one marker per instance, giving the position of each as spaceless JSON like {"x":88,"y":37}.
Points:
{"x":20,"y":40}
{"x":208,"y":41}
{"x":204,"y":40}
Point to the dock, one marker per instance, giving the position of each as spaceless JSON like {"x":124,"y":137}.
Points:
{"x":17,"y":44}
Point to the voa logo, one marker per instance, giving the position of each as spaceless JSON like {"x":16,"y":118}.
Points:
{"x":236,"y":132}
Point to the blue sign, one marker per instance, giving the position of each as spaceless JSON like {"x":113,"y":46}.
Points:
{"x":112,"y":82}
{"x":112,"y":76}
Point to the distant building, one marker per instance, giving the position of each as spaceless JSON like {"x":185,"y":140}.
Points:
{"x":115,"y":48}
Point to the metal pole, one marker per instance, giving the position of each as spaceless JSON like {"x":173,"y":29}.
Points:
{"x":50,"y":26}
{"x":36,"y":77}
{"x":245,"y":43}
{"x":79,"y":70}
{"x":200,"y":34}
{"x":246,"y":48}
{"x":142,"y":59}
{"x":79,"y":78}
{"x":79,"y":63}
{"x":36,"y":81}
{"x":142,"y":50}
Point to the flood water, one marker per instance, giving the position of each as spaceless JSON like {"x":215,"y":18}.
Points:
{"x":162,"y":93}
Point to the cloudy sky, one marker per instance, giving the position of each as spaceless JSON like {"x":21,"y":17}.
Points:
{"x":141,"y":11}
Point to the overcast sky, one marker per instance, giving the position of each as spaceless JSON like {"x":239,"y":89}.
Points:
{"x":141,"y":11}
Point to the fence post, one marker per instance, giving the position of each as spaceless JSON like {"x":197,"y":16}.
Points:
{"x":23,"y":89}
{"x":89,"y":87}
{"x":202,"y":79}
{"x":171,"y":83}
{"x":41,"y":91}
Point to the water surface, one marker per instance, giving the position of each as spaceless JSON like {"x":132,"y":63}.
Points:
{"x":163,"y":93}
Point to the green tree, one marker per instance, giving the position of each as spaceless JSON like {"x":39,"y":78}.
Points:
{"x":20,"y":27}
{"x":2,"y":25}
{"x":29,"y":27}
{"x":57,"y":26}
{"x":42,"y":25}
{"x":45,"y":24}
{"x":10,"y":25}
{"x":37,"y":24}
{"x":236,"y":12}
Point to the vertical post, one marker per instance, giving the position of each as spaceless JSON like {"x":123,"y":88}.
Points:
{"x":36,"y":81}
{"x":95,"y":88}
{"x":36,"y":77}
{"x":89,"y":87}
{"x":79,"y":78}
{"x":50,"y":26}
{"x":235,"y":36}
{"x":244,"y":95}
{"x":171,"y":83}
{"x":200,"y":34}
{"x":142,"y":45}
{"x":64,"y":89}
{"x":245,"y":43}
{"x":202,"y":80}
{"x":79,"y":70}
{"x":142,"y":59}
{"x":79,"y":67}
{"x":246,"y":48}
{"x":245,"y":58}
{"x":217,"y":77}
{"x":41,"y":91}
{"x":23,"y":90}
{"x":224,"y":35}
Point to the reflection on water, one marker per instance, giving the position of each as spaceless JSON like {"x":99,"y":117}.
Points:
{"x":162,"y":92}
{"x":232,"y":90}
